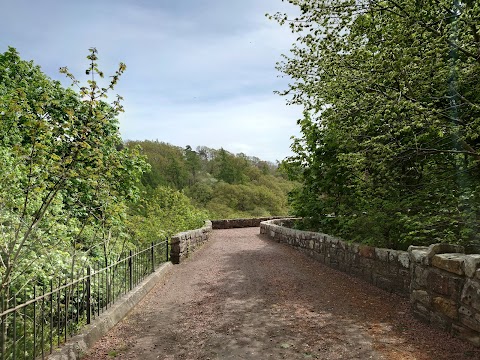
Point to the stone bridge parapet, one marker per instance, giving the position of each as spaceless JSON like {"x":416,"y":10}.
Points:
{"x":185,"y":243}
{"x":442,"y":283}
{"x":241,"y":223}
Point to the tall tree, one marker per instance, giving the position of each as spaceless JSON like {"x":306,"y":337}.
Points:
{"x":64,"y":181}
{"x":193,"y":163}
{"x":389,"y":142}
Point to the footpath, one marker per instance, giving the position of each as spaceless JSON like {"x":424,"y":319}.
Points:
{"x":242,"y":296}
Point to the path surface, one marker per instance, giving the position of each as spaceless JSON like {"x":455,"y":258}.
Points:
{"x":242,"y":296}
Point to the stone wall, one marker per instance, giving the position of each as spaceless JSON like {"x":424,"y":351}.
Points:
{"x":241,"y":223}
{"x":442,"y":282}
{"x":385,"y":268}
{"x":446,"y":289}
{"x":184,"y":243}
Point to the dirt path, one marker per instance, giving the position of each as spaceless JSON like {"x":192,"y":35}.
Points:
{"x":245,"y":297}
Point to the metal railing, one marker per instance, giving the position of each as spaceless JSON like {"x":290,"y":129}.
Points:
{"x":33,"y":326}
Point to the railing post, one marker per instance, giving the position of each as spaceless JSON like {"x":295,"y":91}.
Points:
{"x":166,"y":250}
{"x":89,"y":293}
{"x":152,"y":256}
{"x":130,"y":271}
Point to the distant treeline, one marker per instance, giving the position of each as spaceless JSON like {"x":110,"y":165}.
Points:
{"x":222,"y":184}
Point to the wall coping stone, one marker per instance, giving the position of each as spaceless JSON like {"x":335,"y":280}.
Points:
{"x":442,"y":248}
{"x":453,"y":263}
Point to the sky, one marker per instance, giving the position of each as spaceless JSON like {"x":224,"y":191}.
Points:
{"x":199,"y":72}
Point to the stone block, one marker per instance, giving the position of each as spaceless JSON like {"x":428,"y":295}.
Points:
{"x":421,"y":296}
{"x":393,"y":269}
{"x":422,"y":312}
{"x":448,"y":285}
{"x":449,"y":262}
{"x":466,"y":334}
{"x":367,"y":251}
{"x":437,"y":283}
{"x":381,"y":254}
{"x":404,"y":273}
{"x":381,"y":268}
{"x":406,"y":287}
{"x":366,"y":263}
{"x":420,"y":275}
{"x":471,"y":264}
{"x":464,"y":311}
{"x":445,"y":306}
{"x":318,"y":257}
{"x":392,"y":255}
{"x":404,"y":259}
{"x":355,"y":270}
{"x":439,"y":321}
{"x":441,"y":248}
{"x":470,"y":322}
{"x":471,"y":294}
{"x":355,"y":248}
{"x":418,"y":254}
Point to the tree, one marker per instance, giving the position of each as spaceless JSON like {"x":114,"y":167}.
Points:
{"x":65,"y":180}
{"x":168,"y":166}
{"x":193,"y":163}
{"x":392,"y":114}
{"x":165,"y":212}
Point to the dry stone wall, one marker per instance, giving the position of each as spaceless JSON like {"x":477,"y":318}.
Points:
{"x":184,"y":243}
{"x":445,"y":289}
{"x":240,"y":223}
{"x":385,"y":268}
{"x":442,"y":282}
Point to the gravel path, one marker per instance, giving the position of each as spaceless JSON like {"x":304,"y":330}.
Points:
{"x":242,"y":296}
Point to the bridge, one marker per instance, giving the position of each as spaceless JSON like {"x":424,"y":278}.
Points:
{"x":244,"y":296}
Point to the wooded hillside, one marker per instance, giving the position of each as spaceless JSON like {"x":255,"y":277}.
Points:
{"x":223,"y":184}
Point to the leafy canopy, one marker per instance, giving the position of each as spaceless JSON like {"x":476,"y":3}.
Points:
{"x":389,"y":152}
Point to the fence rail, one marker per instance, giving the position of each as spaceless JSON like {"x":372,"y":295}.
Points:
{"x":32,"y":327}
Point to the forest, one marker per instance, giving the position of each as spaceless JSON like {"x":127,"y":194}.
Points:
{"x":223,"y":184}
{"x":389,"y":147}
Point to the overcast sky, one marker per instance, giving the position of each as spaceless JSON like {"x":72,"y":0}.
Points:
{"x":199,"y":72}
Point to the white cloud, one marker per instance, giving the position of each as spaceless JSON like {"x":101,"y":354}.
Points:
{"x":198,"y":72}
{"x":258,"y":126}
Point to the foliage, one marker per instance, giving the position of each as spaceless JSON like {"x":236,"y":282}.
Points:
{"x":65,"y":179}
{"x":164,"y":212}
{"x":224,"y":184}
{"x":389,"y":147}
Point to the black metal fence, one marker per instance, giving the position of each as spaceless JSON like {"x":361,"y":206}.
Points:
{"x":32,"y":327}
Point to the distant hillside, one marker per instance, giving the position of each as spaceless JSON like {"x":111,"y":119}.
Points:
{"x":226,"y":185}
